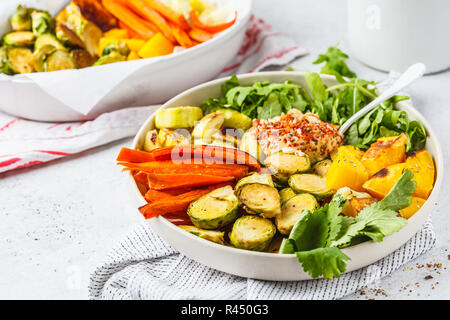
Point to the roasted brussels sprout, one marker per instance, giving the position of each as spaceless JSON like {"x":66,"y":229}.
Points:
{"x":179,"y":117}
{"x":321,"y":167}
{"x":252,"y":233}
{"x":110,"y":58}
{"x":283,"y":165}
{"x":19,"y":39}
{"x":82,"y":58}
{"x":211,"y":235}
{"x":286,"y":194}
{"x":48,"y":39}
{"x":116,"y":45}
{"x":20,"y":60}
{"x":4,"y":65}
{"x":40,"y":57}
{"x":215,"y":209}
{"x":21,"y":19}
{"x":59,"y":60}
{"x":258,"y":195}
{"x":292,"y":209}
{"x":207,"y":127}
{"x":310,"y":183}
{"x":42,"y":22}
{"x":68,"y":37}
{"x":223,"y":139}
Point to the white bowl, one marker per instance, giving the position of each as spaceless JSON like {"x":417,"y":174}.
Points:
{"x":155,"y":83}
{"x":272,"y":266}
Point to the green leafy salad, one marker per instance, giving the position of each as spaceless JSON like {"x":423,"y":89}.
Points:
{"x":334,"y":104}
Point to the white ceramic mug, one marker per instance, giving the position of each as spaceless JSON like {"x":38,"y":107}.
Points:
{"x":393,"y":34}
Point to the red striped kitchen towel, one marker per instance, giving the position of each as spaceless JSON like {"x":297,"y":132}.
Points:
{"x":24,"y":143}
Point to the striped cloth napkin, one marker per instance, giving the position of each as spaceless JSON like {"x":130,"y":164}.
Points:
{"x":24,"y":143}
{"x":143,"y":266}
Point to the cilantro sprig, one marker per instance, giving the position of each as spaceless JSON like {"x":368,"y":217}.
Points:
{"x":318,"y":236}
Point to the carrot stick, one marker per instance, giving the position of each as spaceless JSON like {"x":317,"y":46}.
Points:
{"x":224,"y":170}
{"x":131,"y":32}
{"x":175,"y":204}
{"x":210,"y":28}
{"x":152,"y":15}
{"x":141,"y":177}
{"x":199,"y":35}
{"x":207,"y":153}
{"x":122,"y":13}
{"x":181,"y":36}
{"x":156,"y":195}
{"x":179,"y":218}
{"x":132,"y":155}
{"x":162,"y":181}
{"x":169,"y":13}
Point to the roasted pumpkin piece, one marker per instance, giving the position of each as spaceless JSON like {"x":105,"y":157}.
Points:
{"x":346,"y":171}
{"x":358,"y":153}
{"x":415,"y":205}
{"x":355,"y":205}
{"x":422,"y":166}
{"x":385,"y":152}
{"x":382,"y":182}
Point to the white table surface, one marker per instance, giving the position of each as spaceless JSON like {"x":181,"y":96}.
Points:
{"x":59,"y":220}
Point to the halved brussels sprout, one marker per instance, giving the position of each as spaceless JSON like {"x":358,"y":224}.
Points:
{"x":116,"y":45}
{"x":4,"y":66}
{"x":42,"y":22}
{"x":21,"y":19}
{"x":40,"y":57}
{"x":286,"y":194}
{"x":19,"y":39}
{"x":250,"y":144}
{"x":59,"y":60}
{"x":235,"y":119}
{"x":258,"y":195}
{"x":48,"y":39}
{"x":20,"y":60}
{"x":151,"y":141}
{"x":207,"y":127}
{"x":211,"y":235}
{"x":255,"y":178}
{"x":321,"y":167}
{"x":348,"y":193}
{"x":215,"y":209}
{"x":67,"y":36}
{"x":283,"y":165}
{"x":252,"y":233}
{"x":224,"y":139}
{"x":82,"y":58}
{"x":310,"y":183}
{"x":110,"y":58}
{"x":292,"y":209}
{"x":179,"y":117}
{"x":168,"y":137}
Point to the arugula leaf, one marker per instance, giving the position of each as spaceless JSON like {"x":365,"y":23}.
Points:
{"x":316,"y":86}
{"x":326,"y":262}
{"x":335,"y":63}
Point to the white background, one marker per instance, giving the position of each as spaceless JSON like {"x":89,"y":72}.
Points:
{"x":58,"y":220}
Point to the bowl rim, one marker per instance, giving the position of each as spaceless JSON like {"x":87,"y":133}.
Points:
{"x":241,"y":22}
{"x":404,"y":105}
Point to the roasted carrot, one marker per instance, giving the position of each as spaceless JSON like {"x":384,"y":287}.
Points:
{"x":210,"y":28}
{"x":153,"y":16}
{"x":169,"y":13}
{"x":199,"y":35}
{"x":156,"y":195}
{"x":179,"y":218}
{"x":181,"y":36}
{"x":117,"y":9}
{"x":223,"y":170}
{"x":175,"y":204}
{"x":207,"y":153}
{"x":131,"y":32}
{"x":132,"y":155}
{"x":163,"y":181}
{"x":141,"y":177}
